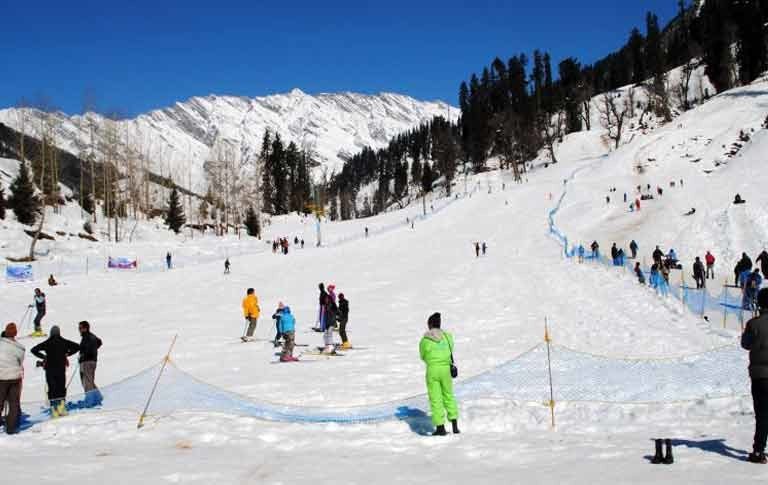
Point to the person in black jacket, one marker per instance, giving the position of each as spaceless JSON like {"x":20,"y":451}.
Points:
{"x":744,"y":264}
{"x":755,"y":339}
{"x":762,"y":259}
{"x":343,"y":318}
{"x":698,"y":273}
{"x":89,"y":354}
{"x":54,"y":353}
{"x":657,"y":255}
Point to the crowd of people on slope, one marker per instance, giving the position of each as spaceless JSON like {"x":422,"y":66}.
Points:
{"x":54,"y":355}
{"x":283,"y":244}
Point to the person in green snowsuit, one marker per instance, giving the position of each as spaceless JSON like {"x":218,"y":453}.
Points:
{"x":435,"y":349}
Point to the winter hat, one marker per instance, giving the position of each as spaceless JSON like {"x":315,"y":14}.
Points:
{"x":55,"y":331}
{"x":434,"y":320}
{"x":331,"y":287}
{"x":10,"y":330}
{"x":280,"y":305}
{"x":762,"y":299}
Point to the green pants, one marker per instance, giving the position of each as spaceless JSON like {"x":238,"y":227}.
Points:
{"x":441,"y":398}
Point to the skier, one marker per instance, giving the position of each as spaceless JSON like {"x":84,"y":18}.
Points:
{"x":633,"y":247}
{"x":477,"y":249}
{"x":752,"y":285}
{"x":89,"y":355}
{"x":54,"y":353}
{"x":615,"y":254}
{"x":485,"y":248}
{"x":343,"y":319}
{"x":323,"y":303}
{"x":639,"y":274}
{"x":698,"y":273}
{"x":276,"y":317}
{"x":755,"y":339}
{"x":40,"y":307}
{"x":226,"y":266}
{"x":744,"y":264}
{"x":168,"y":259}
{"x":330,"y":320}
{"x":287,"y":328}
{"x":763,"y":260}
{"x":251,"y":312}
{"x":595,"y":250}
{"x":657,"y":255}
{"x":11,"y":373}
{"x":436,"y":350}
{"x":710,"y":260}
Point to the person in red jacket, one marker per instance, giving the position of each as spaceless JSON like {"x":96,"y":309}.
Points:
{"x":710,"y":260}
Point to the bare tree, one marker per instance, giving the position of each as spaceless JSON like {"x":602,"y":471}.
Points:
{"x":614,"y":113}
{"x":684,"y":83}
{"x":552,"y":131}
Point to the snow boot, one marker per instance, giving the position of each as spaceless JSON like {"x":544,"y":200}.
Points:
{"x":668,"y":458}
{"x":658,"y":458}
{"x":758,"y":458}
{"x":455,"y":425}
{"x":440,"y":431}
{"x":286,"y":358}
{"x":346,"y":345}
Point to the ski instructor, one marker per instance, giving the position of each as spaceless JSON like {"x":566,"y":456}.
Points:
{"x":251,"y":312}
{"x":436,"y":350}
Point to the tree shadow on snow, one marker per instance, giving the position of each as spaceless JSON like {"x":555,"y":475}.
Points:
{"x":416,"y":419}
{"x":717,"y":446}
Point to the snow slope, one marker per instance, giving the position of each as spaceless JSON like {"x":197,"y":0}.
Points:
{"x":178,"y":139}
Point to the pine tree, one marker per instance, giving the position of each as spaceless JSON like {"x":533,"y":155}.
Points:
{"x":2,"y":202}
{"x":175,"y":216}
{"x":751,"y":47}
{"x":23,"y":200}
{"x":267,"y":175}
{"x":252,"y":223}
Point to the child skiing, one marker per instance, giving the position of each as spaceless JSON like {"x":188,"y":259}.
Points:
{"x":287,"y":328}
{"x":276,"y":317}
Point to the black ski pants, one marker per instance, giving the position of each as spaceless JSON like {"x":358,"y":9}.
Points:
{"x":57,"y":383}
{"x":760,"y":401}
{"x":343,"y":330}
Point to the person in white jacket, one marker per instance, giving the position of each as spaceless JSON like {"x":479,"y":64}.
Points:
{"x":11,"y":372}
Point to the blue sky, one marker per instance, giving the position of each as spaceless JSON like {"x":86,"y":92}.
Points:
{"x":139,"y":55}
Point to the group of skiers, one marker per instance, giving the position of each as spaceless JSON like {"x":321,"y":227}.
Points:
{"x":332,"y":314}
{"x":54,"y":356}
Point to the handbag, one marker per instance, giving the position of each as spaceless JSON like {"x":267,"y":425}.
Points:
{"x":454,"y":369}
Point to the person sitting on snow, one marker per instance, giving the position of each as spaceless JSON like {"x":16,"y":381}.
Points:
{"x":52,"y":281}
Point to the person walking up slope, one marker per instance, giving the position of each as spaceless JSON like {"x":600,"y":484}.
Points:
{"x":11,"y":373}
{"x":755,"y":340}
{"x":251,"y":311}
{"x":436,"y":350}
{"x":55,"y":352}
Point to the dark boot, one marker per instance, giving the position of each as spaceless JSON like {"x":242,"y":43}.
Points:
{"x":455,"y":424}
{"x":440,"y":431}
{"x":757,"y":458}
{"x":658,"y":458}
{"x":668,"y":458}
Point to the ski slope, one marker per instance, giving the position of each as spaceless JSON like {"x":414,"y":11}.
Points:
{"x":495,"y":305}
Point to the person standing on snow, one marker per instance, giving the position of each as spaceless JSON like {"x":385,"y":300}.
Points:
{"x":11,"y":373}
{"x":276,"y":317}
{"x":752,"y":285}
{"x":639,"y":274}
{"x":755,"y":340}
{"x":477,"y":249}
{"x":226,"y":266}
{"x":287,"y":328}
{"x":762,"y":259}
{"x":55,"y":352}
{"x":744,"y":264}
{"x":710,"y":260}
{"x":698,"y":273}
{"x":580,"y":251}
{"x":168,"y":260}
{"x":343,"y":320}
{"x":251,"y":311}
{"x":40,"y":307}
{"x":436,"y":350}
{"x":657,"y":255}
{"x":633,"y":247}
{"x":485,"y":248}
{"x":89,"y":355}
{"x":331,"y":310}
{"x":615,"y":254}
{"x":321,"y":312}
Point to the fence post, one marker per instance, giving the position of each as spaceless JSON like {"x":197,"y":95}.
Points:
{"x":549,"y":370}
{"x":86,"y":265}
{"x":154,"y":387}
{"x":725,"y":302}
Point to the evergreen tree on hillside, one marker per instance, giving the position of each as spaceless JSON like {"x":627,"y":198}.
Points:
{"x":252,"y":223}
{"x":279,"y":176}
{"x":714,"y":31}
{"x":175,"y":216}
{"x":2,"y":202}
{"x":636,"y":52}
{"x":23,"y":200}
{"x":87,"y":203}
{"x":267,"y":175}
{"x":751,"y":47}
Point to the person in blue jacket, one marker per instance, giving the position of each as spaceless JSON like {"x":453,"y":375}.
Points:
{"x":287,"y":328}
{"x":752,"y":285}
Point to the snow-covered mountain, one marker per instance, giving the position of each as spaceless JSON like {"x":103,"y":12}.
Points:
{"x":178,"y":139}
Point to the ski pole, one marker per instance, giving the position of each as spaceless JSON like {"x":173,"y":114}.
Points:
{"x":72,"y":377}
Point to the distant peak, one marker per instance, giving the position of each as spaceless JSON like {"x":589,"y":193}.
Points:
{"x":297,"y":92}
